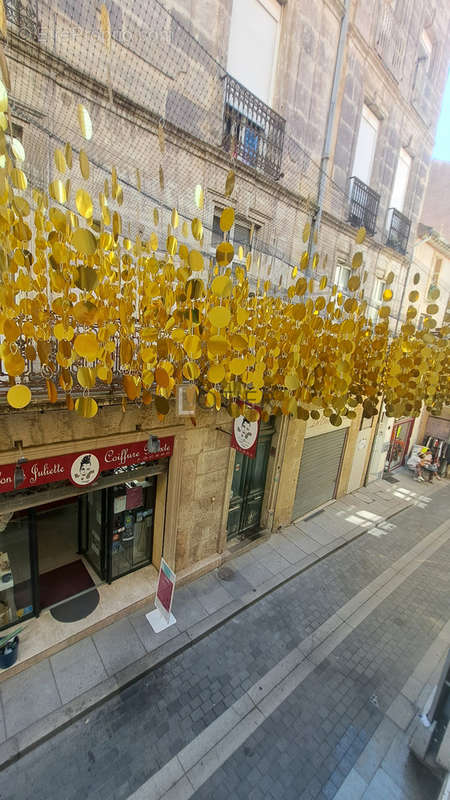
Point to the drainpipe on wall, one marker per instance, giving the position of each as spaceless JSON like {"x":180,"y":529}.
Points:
{"x":315,"y":226}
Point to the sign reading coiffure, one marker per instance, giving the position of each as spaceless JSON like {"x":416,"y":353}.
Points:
{"x":81,"y":468}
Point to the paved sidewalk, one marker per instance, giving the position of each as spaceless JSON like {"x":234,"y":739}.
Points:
{"x":58,"y":690}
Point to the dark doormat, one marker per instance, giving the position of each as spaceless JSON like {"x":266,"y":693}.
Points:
{"x":390,"y":479}
{"x":59,"y":584}
{"x":77,"y":607}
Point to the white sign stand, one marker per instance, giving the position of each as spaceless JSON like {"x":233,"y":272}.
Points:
{"x":161,"y":617}
{"x":158,"y":621}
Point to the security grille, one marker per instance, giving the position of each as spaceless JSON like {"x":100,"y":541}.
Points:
{"x":398,"y":231}
{"x":252,"y":131}
{"x":319,"y":471}
{"x":363,"y":206}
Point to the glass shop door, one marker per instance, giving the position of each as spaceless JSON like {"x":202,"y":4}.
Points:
{"x":92,"y":522}
{"x":130,"y":515}
{"x":399,"y":444}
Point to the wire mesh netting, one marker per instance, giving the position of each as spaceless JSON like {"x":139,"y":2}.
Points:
{"x":155,"y":71}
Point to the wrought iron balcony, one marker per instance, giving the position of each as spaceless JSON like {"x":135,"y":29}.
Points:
{"x":399,"y":227}
{"x":252,"y":132}
{"x":363,"y":208}
{"x":23,"y":15}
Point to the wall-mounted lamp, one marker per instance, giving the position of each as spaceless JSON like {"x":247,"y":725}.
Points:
{"x":153,"y":444}
{"x":19,"y":474}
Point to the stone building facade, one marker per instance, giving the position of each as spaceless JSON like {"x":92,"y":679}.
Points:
{"x":332,"y":92}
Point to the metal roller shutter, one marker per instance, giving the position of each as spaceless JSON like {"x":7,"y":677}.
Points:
{"x":319,"y":470}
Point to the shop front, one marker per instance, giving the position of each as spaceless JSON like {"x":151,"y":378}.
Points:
{"x":70,"y":523}
{"x":399,"y":444}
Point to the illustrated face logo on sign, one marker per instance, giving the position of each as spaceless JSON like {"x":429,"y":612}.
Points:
{"x":84,"y":469}
{"x":245,"y":432}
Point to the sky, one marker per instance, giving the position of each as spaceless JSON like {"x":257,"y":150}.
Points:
{"x":442,"y":143}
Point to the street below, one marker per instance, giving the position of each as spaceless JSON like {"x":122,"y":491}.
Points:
{"x":300,"y":695}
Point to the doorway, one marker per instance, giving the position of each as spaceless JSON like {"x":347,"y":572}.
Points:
{"x":96,"y":537}
{"x":399,"y":444}
{"x":63,"y":571}
{"x":117,"y":527}
{"x":247,"y":487}
{"x":64,"y":549}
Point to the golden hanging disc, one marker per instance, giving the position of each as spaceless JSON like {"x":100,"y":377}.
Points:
{"x":224,"y":254}
{"x":57,"y":191}
{"x":84,"y":121}
{"x":195,"y":259}
{"x":222,"y":286}
{"x":357,"y":260}
{"x":226,"y":219}
{"x":84,"y":164}
{"x":84,"y":241}
{"x":199,"y":197}
{"x":18,"y":396}
{"x":86,"y":407}
{"x":229,"y":183}
{"x":162,"y":405}
{"x":84,"y":203}
{"x":219,"y":316}
{"x":197,"y":228}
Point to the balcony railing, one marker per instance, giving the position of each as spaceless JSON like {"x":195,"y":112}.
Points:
{"x":252,"y":132}
{"x":363,"y":206}
{"x":23,"y":15}
{"x":399,"y":227}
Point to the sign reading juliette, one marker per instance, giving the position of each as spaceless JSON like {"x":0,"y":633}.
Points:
{"x":80,"y":468}
{"x":245,"y":436}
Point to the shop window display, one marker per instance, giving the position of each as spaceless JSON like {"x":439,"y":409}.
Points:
{"x":16,"y":598}
{"x":132,"y":529}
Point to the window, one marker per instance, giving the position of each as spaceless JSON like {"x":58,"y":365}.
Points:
{"x":365,"y":146}
{"x":24,"y":17}
{"x":253,"y":45}
{"x":391,"y":36}
{"x":242,"y":234}
{"x":434,"y":283}
{"x":401,"y":181}
{"x":423,"y":65}
{"x":17,"y":131}
{"x":377,"y":299}
{"x":245,"y":137}
{"x":379,"y":288}
{"x":342,"y":276}
{"x":425,"y":51}
{"x":437,"y":270}
{"x":216,"y":233}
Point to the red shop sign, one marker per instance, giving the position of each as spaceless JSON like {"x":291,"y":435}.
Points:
{"x":80,"y":468}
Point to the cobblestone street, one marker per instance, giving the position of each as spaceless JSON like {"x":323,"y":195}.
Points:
{"x":300,"y":695}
